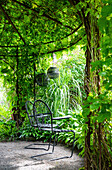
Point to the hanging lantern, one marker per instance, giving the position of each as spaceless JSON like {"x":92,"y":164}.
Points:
{"x":53,"y":72}
{"x":42,"y":79}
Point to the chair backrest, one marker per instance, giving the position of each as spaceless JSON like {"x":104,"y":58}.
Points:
{"x":39,"y":114}
{"x":43,"y":114}
{"x":30,"y":113}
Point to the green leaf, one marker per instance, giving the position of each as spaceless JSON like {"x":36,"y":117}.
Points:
{"x":27,"y":18}
{"x":106,"y":10}
{"x":102,"y":116}
{"x":5,"y":70}
{"x":67,"y":140}
{"x":94,"y":106}
{"x":103,"y":73}
{"x":86,"y":111}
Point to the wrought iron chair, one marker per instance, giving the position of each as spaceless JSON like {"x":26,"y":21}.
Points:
{"x":41,"y":117}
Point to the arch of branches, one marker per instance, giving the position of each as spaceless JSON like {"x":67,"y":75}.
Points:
{"x":37,"y":28}
{"x":32,"y":30}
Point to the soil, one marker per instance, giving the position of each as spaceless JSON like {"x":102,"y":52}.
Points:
{"x":13,"y":155}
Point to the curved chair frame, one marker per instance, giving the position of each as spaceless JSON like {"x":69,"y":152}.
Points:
{"x":44,"y":122}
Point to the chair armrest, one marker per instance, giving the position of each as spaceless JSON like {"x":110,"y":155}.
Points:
{"x":65,"y":117}
{"x":41,"y":116}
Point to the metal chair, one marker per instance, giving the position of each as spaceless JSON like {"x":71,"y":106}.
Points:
{"x":41,"y":117}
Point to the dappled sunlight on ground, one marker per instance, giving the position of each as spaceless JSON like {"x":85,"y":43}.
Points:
{"x":13,"y":155}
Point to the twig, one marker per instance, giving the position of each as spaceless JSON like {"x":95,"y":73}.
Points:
{"x":45,"y":15}
{"x":66,"y":35}
{"x":7,"y":63}
{"x":90,"y":158}
{"x":8,"y":18}
{"x":61,"y":49}
{"x":106,"y":147}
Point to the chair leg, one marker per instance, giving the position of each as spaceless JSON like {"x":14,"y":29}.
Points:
{"x":29,"y":146}
{"x":48,"y":149}
{"x":71,"y":151}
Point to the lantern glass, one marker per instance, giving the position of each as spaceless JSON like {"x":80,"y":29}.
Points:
{"x":53,"y":72}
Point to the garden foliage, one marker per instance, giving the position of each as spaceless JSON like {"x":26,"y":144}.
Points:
{"x":29,"y":38}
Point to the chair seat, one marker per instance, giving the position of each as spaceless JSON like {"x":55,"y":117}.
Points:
{"x":46,"y":125}
{"x":57,"y":130}
{"x":40,"y":115}
{"x":64,"y":117}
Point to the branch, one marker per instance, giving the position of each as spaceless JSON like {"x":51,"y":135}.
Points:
{"x":72,"y":2}
{"x":90,"y":158}
{"x":8,"y":18}
{"x":55,"y":20}
{"x":66,"y":35}
{"x":106,"y":147}
{"x":7,"y":63}
{"x":108,"y":123}
{"x":61,"y":49}
{"x":44,"y":15}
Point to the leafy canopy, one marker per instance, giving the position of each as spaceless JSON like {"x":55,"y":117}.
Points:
{"x":48,"y":25}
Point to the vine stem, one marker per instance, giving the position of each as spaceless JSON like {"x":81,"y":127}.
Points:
{"x":99,"y":141}
{"x":10,"y":21}
{"x":105,"y":146}
{"x":90,"y":157}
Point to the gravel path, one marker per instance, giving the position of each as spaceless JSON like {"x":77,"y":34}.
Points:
{"x":14,"y":156}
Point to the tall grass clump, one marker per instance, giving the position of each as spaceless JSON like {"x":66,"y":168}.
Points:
{"x":58,"y":96}
{"x":64,"y":95}
{"x":66,"y":92}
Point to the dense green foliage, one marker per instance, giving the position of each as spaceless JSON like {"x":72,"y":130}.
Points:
{"x":64,"y":96}
{"x":31,"y":36}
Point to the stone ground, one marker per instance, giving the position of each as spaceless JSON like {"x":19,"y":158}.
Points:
{"x":14,"y":156}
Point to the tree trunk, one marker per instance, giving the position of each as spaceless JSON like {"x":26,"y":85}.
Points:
{"x":16,"y":109}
